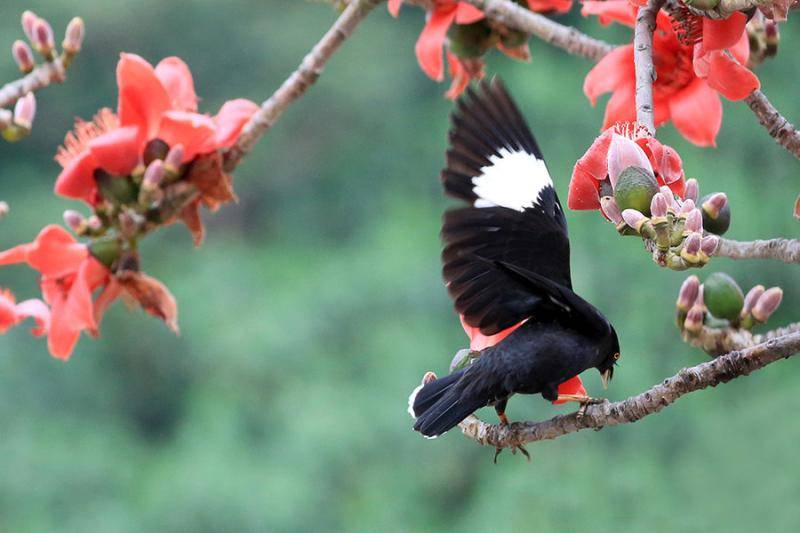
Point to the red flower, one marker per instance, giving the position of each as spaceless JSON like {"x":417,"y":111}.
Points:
{"x":689,"y":77}
{"x":154,"y":103}
{"x":591,"y":171}
{"x":12,"y":313}
{"x":478,"y":341}
{"x":69,"y":276}
{"x":430,"y":44}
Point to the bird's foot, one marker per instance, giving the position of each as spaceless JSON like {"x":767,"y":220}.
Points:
{"x":583,"y":400}
{"x":503,"y":419}
{"x":514,"y":448}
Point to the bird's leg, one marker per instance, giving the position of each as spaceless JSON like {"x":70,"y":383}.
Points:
{"x":582,"y":399}
{"x":514,"y":448}
{"x":500,"y":408}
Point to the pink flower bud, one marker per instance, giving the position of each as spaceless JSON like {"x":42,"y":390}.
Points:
{"x":611,"y":209}
{"x":751,"y":298}
{"x":25,"y":111}
{"x":29,"y":19}
{"x":694,"y":319}
{"x":43,"y":39}
{"x":4,"y":209}
{"x":174,"y":158}
{"x":692,"y":243}
{"x":624,"y":153}
{"x":74,"y":220}
{"x":73,"y":38}
{"x":688,"y":293}
{"x":23,"y":56}
{"x":634,"y":218}
{"x":767,"y":304}
{"x":715,"y":204}
{"x":692,"y":190}
{"x":694,"y":222}
{"x":709,"y":244}
{"x":94,"y":223}
{"x":154,"y":175}
{"x":658,"y":206}
{"x":669,"y":196}
{"x":687,"y":207}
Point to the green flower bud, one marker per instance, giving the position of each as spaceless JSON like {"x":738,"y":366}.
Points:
{"x":716,"y":213}
{"x":471,"y":40}
{"x":115,"y":189}
{"x":635,"y":190}
{"x":107,"y":250}
{"x":723,"y":297}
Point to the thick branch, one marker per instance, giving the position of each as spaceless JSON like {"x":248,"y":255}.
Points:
{"x":708,"y":374}
{"x":726,"y":8}
{"x":778,"y":127}
{"x":38,"y":78}
{"x":786,"y":250}
{"x":514,"y":16}
{"x":718,"y":341}
{"x":299,"y":81}
{"x":643,"y":62}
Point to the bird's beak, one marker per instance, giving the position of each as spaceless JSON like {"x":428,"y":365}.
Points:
{"x":605,"y":377}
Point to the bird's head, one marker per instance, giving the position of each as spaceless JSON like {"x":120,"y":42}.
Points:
{"x":610,"y":357}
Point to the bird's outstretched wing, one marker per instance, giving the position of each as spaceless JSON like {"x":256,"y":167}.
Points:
{"x":514,"y":216}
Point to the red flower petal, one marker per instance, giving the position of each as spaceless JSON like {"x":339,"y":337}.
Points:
{"x":55,"y":253}
{"x":697,"y":113}
{"x":467,"y":13}
{"x":38,"y":311}
{"x":117,"y":152}
{"x":574,"y":386}
{"x":609,"y":11}
{"x":583,"y":190}
{"x":720,"y":34}
{"x":177,"y":80}
{"x":79,"y":305}
{"x":61,"y":338}
{"x":431,"y":41}
{"x":77,"y":179}
{"x":194,"y":131}
{"x":614,"y":70}
{"x":17,"y":254}
{"x":142,"y":98}
{"x":8,"y":311}
{"x":394,"y":7}
{"x":550,"y":6}
{"x":230,"y":120}
{"x":730,"y":78}
{"x":621,"y":107}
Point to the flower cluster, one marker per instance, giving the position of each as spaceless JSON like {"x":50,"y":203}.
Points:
{"x":469,"y":36}
{"x":154,"y":161}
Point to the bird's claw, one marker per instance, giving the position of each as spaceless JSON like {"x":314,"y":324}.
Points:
{"x":514,"y":448}
{"x":583,"y":400}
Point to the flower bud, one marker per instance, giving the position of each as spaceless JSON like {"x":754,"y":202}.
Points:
{"x":23,"y":56}
{"x":767,"y":304}
{"x":692,"y":244}
{"x":723,"y":297}
{"x":94,"y":223}
{"x":469,"y":41}
{"x":154,"y":175}
{"x":634,"y":218}
{"x":694,"y":319}
{"x":694,"y":221}
{"x":43,"y":40}
{"x":74,"y":220}
{"x":687,"y":207}
{"x":709,"y":244}
{"x":669,"y":196}
{"x":658,"y":206}
{"x":154,"y":149}
{"x":688,"y":293}
{"x":716,"y":213}
{"x":174,"y":158}
{"x":25,"y":111}
{"x":107,"y":250}
{"x":73,"y":38}
{"x":4,"y":209}
{"x":623,"y":154}
{"x":610,"y":209}
{"x":29,"y":18}
{"x":634,"y":189}
{"x":129,"y":223}
{"x":751,"y":298}
{"x":692,"y":190}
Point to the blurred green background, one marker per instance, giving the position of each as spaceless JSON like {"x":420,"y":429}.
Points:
{"x":316,"y":305}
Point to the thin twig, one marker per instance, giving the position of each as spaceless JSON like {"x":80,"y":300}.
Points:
{"x":299,"y":81}
{"x":726,"y":8}
{"x":39,"y":78}
{"x":709,"y":374}
{"x":786,"y":250}
{"x":778,"y":127}
{"x":643,"y":62}
{"x":564,"y":37}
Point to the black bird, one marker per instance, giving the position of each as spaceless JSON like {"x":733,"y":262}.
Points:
{"x":506,"y":259}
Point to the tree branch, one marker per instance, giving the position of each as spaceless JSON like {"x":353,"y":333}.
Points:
{"x":786,"y":250}
{"x":709,"y":374}
{"x":39,"y":78}
{"x":643,"y":62}
{"x":778,"y":127}
{"x":564,"y":37}
{"x":299,"y":81}
{"x":717,"y":341}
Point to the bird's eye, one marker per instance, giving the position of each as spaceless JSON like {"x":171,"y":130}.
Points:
{"x":616,"y":356}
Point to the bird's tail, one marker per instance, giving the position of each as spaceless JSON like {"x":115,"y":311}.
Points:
{"x":441,"y":404}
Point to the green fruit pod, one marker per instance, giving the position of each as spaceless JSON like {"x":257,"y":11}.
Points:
{"x":635,"y":189}
{"x":723,"y":297}
{"x":471,"y":40}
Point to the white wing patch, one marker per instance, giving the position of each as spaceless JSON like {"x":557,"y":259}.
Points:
{"x":513,"y":180}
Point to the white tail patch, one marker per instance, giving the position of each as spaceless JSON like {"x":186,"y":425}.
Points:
{"x":412,"y":398}
{"x":513,"y":180}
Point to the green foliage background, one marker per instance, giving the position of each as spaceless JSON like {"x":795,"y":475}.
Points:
{"x":317,"y":304}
